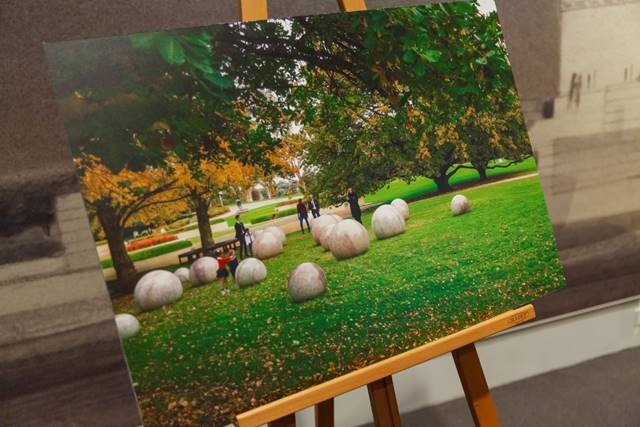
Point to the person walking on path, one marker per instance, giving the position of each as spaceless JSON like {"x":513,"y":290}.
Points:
{"x":303,"y":216}
{"x":352,"y":198}
{"x":240,"y":230}
{"x":314,"y":206}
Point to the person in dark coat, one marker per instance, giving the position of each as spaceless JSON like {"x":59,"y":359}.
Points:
{"x":314,"y":206}
{"x":240,"y":230}
{"x":352,"y":198}
{"x":303,"y":216}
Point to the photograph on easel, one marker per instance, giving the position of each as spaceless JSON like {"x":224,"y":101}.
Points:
{"x":281,"y":202}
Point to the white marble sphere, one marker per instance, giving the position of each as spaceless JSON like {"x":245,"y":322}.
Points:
{"x":278,"y":232}
{"x":250,"y":271}
{"x":319,"y":223}
{"x":183,"y":274}
{"x":266,"y":245}
{"x":157,"y":288}
{"x":127,"y":325}
{"x":349,"y":239}
{"x":203,"y":270}
{"x":306,"y":281}
{"x":387,"y":221}
{"x":326,"y":237}
{"x":402,"y":207}
{"x":460,"y":204}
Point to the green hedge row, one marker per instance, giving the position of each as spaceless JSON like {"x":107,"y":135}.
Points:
{"x":151,"y":252}
{"x":274,"y":215}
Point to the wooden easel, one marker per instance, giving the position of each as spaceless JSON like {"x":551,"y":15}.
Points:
{"x":378,"y":377}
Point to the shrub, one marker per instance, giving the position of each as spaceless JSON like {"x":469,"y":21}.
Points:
{"x":150,"y":241}
{"x":285,"y":202}
{"x":287,"y":212}
{"x":218,"y":210}
{"x":263,"y":218}
{"x":176,"y":225}
{"x":274,"y":215}
{"x":151,"y":252}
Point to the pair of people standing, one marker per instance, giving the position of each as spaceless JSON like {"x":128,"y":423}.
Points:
{"x":303,"y":213}
{"x":314,"y":206}
{"x":244,"y":237}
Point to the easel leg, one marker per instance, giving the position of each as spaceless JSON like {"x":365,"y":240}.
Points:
{"x":286,"y":421}
{"x":324,"y":414}
{"x":475,"y":387}
{"x":383,"y":403}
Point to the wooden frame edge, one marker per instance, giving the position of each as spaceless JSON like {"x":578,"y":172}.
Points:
{"x":352,"y":5}
{"x":253,"y":10}
{"x":340,"y":385}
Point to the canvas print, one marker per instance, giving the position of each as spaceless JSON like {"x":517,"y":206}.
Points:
{"x":281,"y":202}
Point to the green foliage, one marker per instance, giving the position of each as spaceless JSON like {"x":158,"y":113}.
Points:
{"x":151,"y":252}
{"x":443,"y":274}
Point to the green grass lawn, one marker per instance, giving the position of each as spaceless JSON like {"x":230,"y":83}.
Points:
{"x":220,"y":356}
{"x":151,"y":252}
{"x":423,"y":186}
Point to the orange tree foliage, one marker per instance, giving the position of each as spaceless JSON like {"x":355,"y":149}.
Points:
{"x":288,"y":158}
{"x":121,"y":199}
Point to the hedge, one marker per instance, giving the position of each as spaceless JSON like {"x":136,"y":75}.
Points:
{"x":151,"y":252}
{"x":274,"y":215}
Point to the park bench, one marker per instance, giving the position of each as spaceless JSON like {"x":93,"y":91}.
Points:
{"x":190,"y":256}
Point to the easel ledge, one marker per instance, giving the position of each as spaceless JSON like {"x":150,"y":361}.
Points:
{"x":367,"y":375}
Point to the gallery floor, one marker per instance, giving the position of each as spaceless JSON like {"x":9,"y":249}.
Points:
{"x":598,"y":393}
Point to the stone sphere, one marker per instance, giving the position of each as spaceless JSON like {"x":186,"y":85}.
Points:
{"x":203,"y":270}
{"x":278,"y":232}
{"x":183,"y":274}
{"x":127,"y":325}
{"x":460,"y":204}
{"x":306,"y":281}
{"x":387,"y":221}
{"x":250,"y":271}
{"x":326,"y":237}
{"x":266,"y":245}
{"x":320,"y":223}
{"x":402,"y":207}
{"x":349,"y":239}
{"x":157,"y":288}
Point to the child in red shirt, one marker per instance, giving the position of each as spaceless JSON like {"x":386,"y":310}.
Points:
{"x":224,"y":259}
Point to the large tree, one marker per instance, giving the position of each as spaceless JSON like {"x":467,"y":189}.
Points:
{"x":121,"y":199}
{"x":439,"y":61}
{"x":134,"y":103}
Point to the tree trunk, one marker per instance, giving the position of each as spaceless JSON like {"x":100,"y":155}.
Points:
{"x":442,"y":182}
{"x":114,"y":232}
{"x":482,"y":171}
{"x":202,"y":215}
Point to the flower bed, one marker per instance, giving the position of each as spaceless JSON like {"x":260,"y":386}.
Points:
{"x":150,"y":241}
